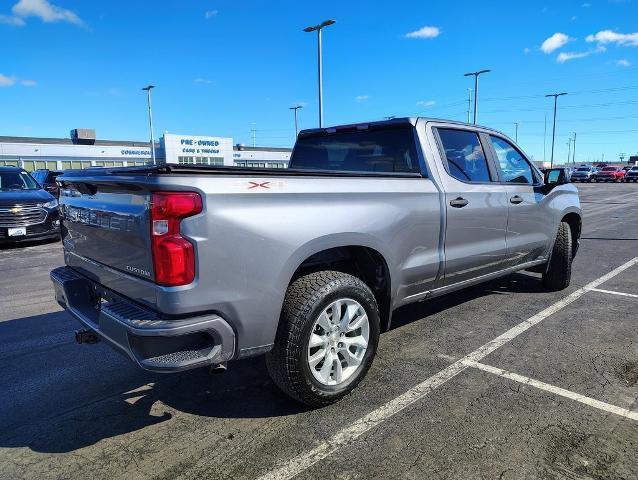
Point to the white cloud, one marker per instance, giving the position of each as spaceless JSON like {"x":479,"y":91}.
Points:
{"x":573,"y":18}
{"x":203,"y":80}
{"x":210,"y":14}
{"x":526,"y":50}
{"x":609,"y":36}
{"x":623,"y":63}
{"x":566,"y":56}
{"x":361,"y":98}
{"x":45,"y":11}
{"x":42,"y":9}
{"x":586,"y":5}
{"x":28,"y":83}
{"x":425,"y":32}
{"x":425,"y":103}
{"x":7,"y":81}
{"x":10,"y":20}
{"x":554,"y":42}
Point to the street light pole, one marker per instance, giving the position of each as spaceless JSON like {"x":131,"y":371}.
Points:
{"x":295,"y":108}
{"x":555,"y":95}
{"x":318,"y":29}
{"x":516,"y":132}
{"x":476,"y":75}
{"x":569,"y":150}
{"x":148,"y":89}
{"x":574,"y":151}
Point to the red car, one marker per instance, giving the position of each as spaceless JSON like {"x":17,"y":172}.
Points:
{"x":610,"y":174}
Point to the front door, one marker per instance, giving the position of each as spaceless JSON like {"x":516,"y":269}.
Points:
{"x":528,"y":229}
{"x":476,"y":208}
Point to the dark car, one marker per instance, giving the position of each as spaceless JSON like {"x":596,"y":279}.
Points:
{"x":46,"y":179}
{"x":632,"y":174}
{"x":27,"y":211}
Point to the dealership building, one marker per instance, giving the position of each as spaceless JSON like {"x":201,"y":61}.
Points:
{"x":83,"y":150}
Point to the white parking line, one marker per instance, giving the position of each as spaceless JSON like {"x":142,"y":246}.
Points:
{"x":623,"y":412}
{"x":349,"y":434}
{"x":613,"y":292}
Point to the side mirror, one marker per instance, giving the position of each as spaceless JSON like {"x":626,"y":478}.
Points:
{"x":556,"y":176}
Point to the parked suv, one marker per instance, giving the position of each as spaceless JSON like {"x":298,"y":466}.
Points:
{"x":610,"y":174}
{"x":46,"y":179}
{"x":584,"y":174}
{"x":632,"y":174}
{"x":27,"y":211}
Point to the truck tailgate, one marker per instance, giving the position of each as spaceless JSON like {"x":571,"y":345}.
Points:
{"x":108,"y":224}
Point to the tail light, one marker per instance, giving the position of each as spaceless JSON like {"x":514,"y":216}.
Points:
{"x":173,"y":255}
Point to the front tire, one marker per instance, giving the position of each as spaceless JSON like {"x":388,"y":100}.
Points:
{"x":327,"y":338}
{"x":559,"y":270}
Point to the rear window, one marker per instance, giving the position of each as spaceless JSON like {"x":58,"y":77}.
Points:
{"x":609,"y":169}
{"x":586,"y":169}
{"x":389,"y":150}
{"x":633,"y":169}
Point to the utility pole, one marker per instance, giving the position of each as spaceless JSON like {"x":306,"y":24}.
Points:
{"x":476,"y":76}
{"x":295,"y":108}
{"x":574,"y":151}
{"x":555,"y":95}
{"x":622,"y":157}
{"x":253,"y":131}
{"x":148,"y":89}
{"x":516,"y":132}
{"x":469,"y":103}
{"x":569,"y":150}
{"x":318,"y":29}
{"x":545,"y":139}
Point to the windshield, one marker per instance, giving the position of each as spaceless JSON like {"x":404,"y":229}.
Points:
{"x":586,"y":169}
{"x":39,"y":176}
{"x":633,"y":169}
{"x":17,"y":180}
{"x":609,"y":169}
{"x":389,"y":150}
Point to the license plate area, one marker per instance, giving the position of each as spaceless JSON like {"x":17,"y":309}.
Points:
{"x":17,"y":232}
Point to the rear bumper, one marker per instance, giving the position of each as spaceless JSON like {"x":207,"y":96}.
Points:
{"x":153,"y":343}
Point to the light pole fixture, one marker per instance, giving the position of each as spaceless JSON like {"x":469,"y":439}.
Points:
{"x":148,"y":89}
{"x":476,"y":75}
{"x":318,"y":29}
{"x":555,"y":95}
{"x":295,"y":108}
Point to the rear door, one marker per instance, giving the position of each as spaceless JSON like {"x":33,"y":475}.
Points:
{"x":476,"y":206}
{"x":528,"y":228}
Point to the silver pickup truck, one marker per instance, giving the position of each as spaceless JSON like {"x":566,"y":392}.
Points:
{"x":181,"y":266}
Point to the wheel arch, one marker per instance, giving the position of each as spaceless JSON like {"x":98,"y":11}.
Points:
{"x":575,"y":222}
{"x":359,"y":257}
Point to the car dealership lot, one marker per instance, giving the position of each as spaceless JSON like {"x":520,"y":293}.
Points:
{"x":558,"y":398}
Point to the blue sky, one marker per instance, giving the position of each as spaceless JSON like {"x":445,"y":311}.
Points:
{"x":226,"y":67}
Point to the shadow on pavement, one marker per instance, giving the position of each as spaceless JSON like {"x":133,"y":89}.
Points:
{"x":60,"y":397}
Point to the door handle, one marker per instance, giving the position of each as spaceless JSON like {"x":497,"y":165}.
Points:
{"x":516,"y":199}
{"x":458,"y":202}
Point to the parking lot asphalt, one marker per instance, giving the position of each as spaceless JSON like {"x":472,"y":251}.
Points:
{"x":502,"y":380}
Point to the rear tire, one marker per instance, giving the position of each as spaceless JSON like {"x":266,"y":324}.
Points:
{"x":309,"y":304}
{"x":559,"y":269}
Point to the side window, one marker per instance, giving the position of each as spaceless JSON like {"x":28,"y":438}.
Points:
{"x":514,"y":168}
{"x":464,"y":155}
